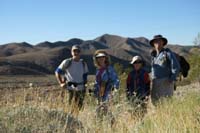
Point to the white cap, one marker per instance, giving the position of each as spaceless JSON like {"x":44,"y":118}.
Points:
{"x":135,"y":58}
{"x":100,"y":55}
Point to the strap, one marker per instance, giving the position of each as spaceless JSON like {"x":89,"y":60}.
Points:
{"x":166,"y":50}
{"x":69,"y":62}
{"x":84,"y":63}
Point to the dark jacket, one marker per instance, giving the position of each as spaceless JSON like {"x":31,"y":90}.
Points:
{"x":138,"y":83}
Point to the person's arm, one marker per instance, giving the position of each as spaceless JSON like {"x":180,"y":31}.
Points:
{"x":60,"y":79}
{"x":59,"y":72}
{"x":85,"y":75}
{"x":147,"y":84}
{"x":102,"y":88}
{"x":175,"y":66}
{"x":114,"y":77}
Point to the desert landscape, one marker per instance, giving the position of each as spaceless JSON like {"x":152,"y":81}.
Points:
{"x":32,"y":101}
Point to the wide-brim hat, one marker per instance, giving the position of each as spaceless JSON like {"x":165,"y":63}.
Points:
{"x":136,"y":58}
{"x":156,"y":37}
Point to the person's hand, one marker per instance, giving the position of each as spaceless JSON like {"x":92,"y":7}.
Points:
{"x":146,"y":97}
{"x":115,"y":90}
{"x":102,"y":91}
{"x":63,"y":85}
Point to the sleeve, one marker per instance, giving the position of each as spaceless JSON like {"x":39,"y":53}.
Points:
{"x":175,"y":66}
{"x":147,"y":83}
{"x":61,"y":68}
{"x":114,"y":77}
{"x":152,"y":70}
{"x":95,"y":82}
{"x":104,"y":76}
{"x":146,"y":78}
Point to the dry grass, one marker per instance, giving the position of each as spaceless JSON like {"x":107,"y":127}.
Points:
{"x":45,"y":109}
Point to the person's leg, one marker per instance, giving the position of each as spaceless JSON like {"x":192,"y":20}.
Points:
{"x":144,"y":103}
{"x":80,"y":96}
{"x":70,"y":96}
{"x":154,"y":92}
{"x":168,"y":87}
{"x":107,"y":96}
{"x":161,"y":88}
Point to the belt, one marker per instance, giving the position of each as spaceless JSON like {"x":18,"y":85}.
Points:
{"x":75,"y":84}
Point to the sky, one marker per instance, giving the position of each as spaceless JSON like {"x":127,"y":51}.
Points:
{"x":36,"y":21}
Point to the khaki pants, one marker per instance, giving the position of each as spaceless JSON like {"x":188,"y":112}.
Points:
{"x":161,"y":88}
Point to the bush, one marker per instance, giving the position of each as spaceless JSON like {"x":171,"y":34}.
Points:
{"x":194,"y":60}
{"x":118,"y":68}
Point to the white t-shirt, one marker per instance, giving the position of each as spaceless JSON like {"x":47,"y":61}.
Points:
{"x":74,"y":73}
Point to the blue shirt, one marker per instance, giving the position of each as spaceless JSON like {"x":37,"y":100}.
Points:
{"x":165,"y":65}
{"x":109,"y":76}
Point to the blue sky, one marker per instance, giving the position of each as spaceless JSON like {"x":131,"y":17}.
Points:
{"x":35,"y":21}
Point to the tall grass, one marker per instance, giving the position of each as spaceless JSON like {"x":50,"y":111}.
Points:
{"x":46,"y":109}
{"x":174,"y":115}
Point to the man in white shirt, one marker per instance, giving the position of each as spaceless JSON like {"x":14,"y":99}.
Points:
{"x":74,"y":70}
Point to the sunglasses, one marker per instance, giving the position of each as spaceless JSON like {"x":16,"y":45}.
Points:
{"x":137,"y":62}
{"x":158,"y":41}
{"x":76,"y":51}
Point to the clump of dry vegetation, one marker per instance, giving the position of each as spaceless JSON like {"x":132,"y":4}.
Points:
{"x":45,"y":109}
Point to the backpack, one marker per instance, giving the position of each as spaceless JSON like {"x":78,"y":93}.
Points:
{"x":69,"y":62}
{"x":184,"y":65}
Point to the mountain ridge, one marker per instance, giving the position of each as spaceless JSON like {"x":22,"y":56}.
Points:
{"x":44,"y":57}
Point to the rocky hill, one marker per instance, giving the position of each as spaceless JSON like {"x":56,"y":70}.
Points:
{"x":43,"y":58}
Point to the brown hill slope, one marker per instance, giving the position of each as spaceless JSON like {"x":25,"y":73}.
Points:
{"x":46,"y":56}
{"x":15,"y":48}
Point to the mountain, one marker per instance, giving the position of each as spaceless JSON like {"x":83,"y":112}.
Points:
{"x":68,"y":43}
{"x":43,"y":58}
{"x":15,"y":48}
